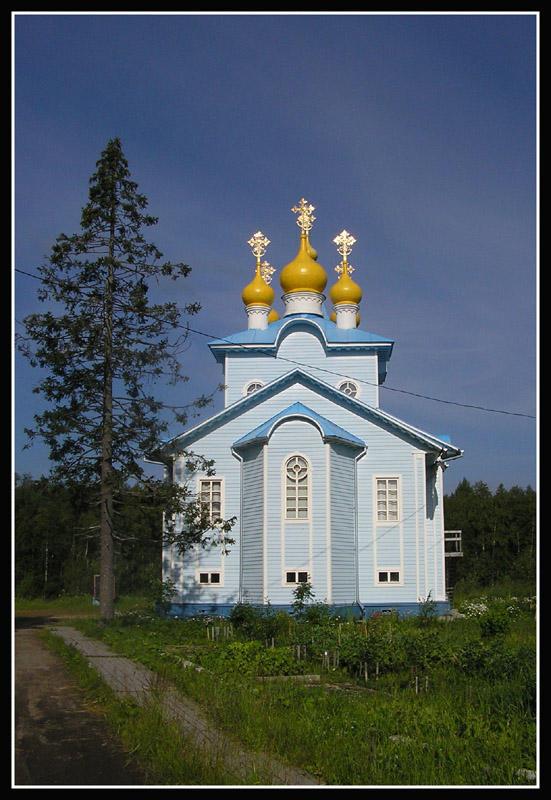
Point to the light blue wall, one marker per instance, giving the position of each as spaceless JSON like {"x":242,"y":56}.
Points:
{"x":342,"y":471}
{"x":295,"y":544}
{"x":297,"y":349}
{"x":414,"y":544}
{"x":252,"y":526}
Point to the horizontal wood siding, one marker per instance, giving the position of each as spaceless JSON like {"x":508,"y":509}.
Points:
{"x":342,"y":469}
{"x":300,"y":349}
{"x":253,"y":525}
{"x":414,"y":543}
{"x":295,"y":544}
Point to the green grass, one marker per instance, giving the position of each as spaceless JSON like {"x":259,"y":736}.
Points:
{"x":445,"y":703}
{"x":80,"y":603}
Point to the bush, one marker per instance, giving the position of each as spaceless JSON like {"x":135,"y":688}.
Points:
{"x":253,"y":658}
{"x":422,"y":648}
{"x":495,"y":621}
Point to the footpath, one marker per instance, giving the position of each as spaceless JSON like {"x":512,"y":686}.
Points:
{"x":58,"y":740}
{"x":129,"y":679}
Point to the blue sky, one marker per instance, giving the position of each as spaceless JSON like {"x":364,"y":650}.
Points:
{"x":415,"y":132}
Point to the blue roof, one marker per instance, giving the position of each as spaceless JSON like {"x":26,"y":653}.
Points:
{"x":329,"y":431}
{"x":334,"y":337}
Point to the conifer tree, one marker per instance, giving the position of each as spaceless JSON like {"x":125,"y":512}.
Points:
{"x":102,"y":343}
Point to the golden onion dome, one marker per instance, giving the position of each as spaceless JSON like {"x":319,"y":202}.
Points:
{"x":257,"y":292}
{"x":273,"y":316}
{"x":303,"y":274}
{"x":345,"y":290}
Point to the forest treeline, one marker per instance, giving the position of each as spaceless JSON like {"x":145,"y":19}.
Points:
{"x":57,"y":546}
{"x":499,"y":534}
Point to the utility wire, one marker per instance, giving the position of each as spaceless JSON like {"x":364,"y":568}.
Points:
{"x":337,"y":374}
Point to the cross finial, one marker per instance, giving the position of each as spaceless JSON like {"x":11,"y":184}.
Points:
{"x":258,"y":243}
{"x":266,"y":270}
{"x":344,"y":242}
{"x":305,"y":216}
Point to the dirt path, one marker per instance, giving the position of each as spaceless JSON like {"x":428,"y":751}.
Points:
{"x":58,"y":741}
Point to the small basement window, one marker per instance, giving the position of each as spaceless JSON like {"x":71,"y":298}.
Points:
{"x":209,"y":577}
{"x":388,"y":576}
{"x":296,"y":577}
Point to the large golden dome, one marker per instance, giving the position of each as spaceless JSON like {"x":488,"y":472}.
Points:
{"x":303,"y":273}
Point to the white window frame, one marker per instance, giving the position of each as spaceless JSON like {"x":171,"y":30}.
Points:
{"x":200,"y":491}
{"x":389,"y":571}
{"x":304,"y":496}
{"x":252,"y":386}
{"x":296,"y":572}
{"x":351,"y":383}
{"x":209,"y":574}
{"x":382,"y":495}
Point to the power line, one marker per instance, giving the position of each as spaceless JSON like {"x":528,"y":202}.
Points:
{"x":368,"y":383}
{"x":337,"y":374}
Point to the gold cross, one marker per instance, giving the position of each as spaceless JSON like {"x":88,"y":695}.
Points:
{"x":344,"y":242}
{"x":258,"y":243}
{"x":305,"y":216}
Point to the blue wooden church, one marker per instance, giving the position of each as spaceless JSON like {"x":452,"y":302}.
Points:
{"x":326,"y":487}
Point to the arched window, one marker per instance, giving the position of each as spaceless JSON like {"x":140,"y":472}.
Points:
{"x":253,"y":386}
{"x":296,"y":488}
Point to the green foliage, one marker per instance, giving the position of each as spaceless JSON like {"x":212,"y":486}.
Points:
{"x":102,"y":343}
{"x":56,"y":542}
{"x":258,"y":622}
{"x":498,"y":533}
{"x":469,"y":720}
{"x":100,"y":333}
{"x":252,"y":659}
{"x":428,"y":611}
{"x":495,"y":622}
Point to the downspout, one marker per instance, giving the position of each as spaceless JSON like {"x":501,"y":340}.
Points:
{"x":357,"y":533}
{"x":240,"y":459}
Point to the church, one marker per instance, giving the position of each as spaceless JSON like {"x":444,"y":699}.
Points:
{"x":325,"y":487}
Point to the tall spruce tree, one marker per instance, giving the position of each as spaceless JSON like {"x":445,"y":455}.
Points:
{"x":102,"y":343}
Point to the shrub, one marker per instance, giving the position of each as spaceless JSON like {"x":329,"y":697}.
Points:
{"x":252,"y":658}
{"x":470,"y":656}
{"x":423,"y":648}
{"x":495,"y":622}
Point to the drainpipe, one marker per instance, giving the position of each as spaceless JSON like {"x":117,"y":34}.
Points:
{"x":240,"y":459}
{"x":357,"y":533}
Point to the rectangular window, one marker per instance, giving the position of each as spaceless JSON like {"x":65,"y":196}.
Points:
{"x":296,"y":577}
{"x":210,"y":495}
{"x":209,"y":578}
{"x":388,"y":576}
{"x":387,"y":500}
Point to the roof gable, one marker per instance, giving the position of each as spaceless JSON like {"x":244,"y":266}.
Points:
{"x":297,"y":376}
{"x":330,"y":432}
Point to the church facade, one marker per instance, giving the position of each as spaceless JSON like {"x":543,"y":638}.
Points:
{"x":325,"y":487}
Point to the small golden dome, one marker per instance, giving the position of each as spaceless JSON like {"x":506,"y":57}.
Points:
{"x":345,"y":290}
{"x":273,"y":316}
{"x":258,"y":292}
{"x":303,"y":274}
